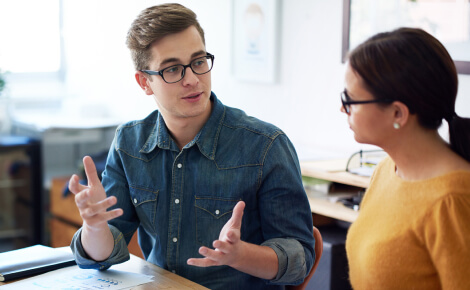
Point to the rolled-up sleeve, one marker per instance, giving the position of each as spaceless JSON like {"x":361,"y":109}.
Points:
{"x":119,"y":254}
{"x":292,"y":262}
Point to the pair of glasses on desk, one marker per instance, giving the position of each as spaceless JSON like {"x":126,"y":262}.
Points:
{"x":363,"y":162}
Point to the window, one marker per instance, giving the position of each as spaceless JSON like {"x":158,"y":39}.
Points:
{"x":31,"y":49}
{"x":30,"y":32}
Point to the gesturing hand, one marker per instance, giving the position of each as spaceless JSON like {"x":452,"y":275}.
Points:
{"x":228,"y":249}
{"x":91,"y":200}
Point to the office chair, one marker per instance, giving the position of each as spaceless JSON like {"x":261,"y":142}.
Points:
{"x":318,"y":253}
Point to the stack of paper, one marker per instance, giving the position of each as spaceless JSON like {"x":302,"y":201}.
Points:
{"x":33,"y":260}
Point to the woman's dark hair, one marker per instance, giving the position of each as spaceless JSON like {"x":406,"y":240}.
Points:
{"x":411,"y":66}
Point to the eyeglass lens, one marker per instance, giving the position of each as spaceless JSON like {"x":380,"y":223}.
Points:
{"x":199,"y":66}
{"x":344,"y":100}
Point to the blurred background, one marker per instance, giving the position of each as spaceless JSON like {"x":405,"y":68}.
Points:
{"x":69,"y":80}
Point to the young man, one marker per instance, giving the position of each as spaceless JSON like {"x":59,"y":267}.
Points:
{"x":216,"y":195}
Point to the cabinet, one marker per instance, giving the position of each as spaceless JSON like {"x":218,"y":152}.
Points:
{"x":21,"y":209}
{"x":65,"y":218}
{"x":332,"y":219}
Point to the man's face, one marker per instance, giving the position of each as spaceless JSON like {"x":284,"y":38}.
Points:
{"x":188,"y":99}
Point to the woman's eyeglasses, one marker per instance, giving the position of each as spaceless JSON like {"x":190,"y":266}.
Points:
{"x":346,"y":100}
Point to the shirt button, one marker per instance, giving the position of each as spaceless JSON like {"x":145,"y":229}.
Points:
{"x":175,"y":240}
{"x":179,"y":165}
{"x":217,"y":211}
{"x":135,"y":200}
{"x":173,"y":271}
{"x":177,"y":201}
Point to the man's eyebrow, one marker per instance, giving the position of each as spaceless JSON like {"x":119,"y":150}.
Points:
{"x":199,"y":53}
{"x":177,"y":60}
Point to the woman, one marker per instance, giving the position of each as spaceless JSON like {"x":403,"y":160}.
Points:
{"x":413,"y":230}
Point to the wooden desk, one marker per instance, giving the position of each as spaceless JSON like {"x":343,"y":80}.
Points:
{"x":163,"y":279}
{"x":335,"y":171}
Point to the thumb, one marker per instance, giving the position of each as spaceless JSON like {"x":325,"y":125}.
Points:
{"x":237,"y":215}
{"x":90,"y":171}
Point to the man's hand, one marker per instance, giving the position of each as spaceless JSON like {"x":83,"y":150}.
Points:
{"x":255,"y":260}
{"x":96,"y":237}
{"x":91,"y":200}
{"x":228,"y":249}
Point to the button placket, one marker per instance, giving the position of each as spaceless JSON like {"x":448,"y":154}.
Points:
{"x":175,"y":210}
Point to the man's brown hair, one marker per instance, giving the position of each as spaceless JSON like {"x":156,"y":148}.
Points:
{"x":154,"y":23}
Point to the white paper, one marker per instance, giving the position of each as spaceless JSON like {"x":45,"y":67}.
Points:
{"x":74,"y":278}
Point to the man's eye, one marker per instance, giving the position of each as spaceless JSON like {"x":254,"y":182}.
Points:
{"x":199,"y":62}
{"x":173,"y":69}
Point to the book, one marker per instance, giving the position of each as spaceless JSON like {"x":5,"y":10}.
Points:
{"x":33,"y":260}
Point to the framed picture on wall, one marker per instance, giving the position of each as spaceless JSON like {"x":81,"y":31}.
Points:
{"x":256,"y":40}
{"x":448,"y":21}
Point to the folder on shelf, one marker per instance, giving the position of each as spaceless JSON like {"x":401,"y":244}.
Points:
{"x":32,"y":260}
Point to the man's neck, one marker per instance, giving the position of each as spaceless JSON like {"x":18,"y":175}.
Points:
{"x":183,"y":130}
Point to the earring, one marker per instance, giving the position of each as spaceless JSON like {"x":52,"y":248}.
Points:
{"x":396,"y":126}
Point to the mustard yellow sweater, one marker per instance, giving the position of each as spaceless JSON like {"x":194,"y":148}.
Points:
{"x":411,"y":235}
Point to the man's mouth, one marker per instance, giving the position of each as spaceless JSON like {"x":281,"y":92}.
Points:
{"x":192,"y":96}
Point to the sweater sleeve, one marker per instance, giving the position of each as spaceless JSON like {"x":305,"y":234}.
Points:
{"x":446,"y":234}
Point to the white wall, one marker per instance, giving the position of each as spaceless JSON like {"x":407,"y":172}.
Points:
{"x":304,"y":102}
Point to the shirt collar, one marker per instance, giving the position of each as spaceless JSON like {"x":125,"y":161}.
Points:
{"x":158,"y":137}
{"x":206,"y":139}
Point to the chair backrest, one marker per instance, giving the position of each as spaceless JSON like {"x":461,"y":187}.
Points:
{"x":318,"y":253}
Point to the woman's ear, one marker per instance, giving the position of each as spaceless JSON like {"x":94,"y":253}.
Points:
{"x":401,"y":114}
{"x":143,"y":81}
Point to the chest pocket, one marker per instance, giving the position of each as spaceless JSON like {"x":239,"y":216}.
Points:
{"x":211,"y":215}
{"x":145,"y":203}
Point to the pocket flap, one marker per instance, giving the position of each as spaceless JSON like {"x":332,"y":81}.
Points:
{"x":140,"y":196}
{"x":216,"y":206}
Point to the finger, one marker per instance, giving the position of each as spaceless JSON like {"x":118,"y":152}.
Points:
{"x":84,"y":199}
{"x":81,"y":199}
{"x":237,"y":215}
{"x":201,"y":262}
{"x":112,"y":214}
{"x":214,"y":255}
{"x":99,"y":207}
{"x":102,"y":218}
{"x":90,"y":171}
{"x":75,"y":186}
{"x":222,"y":246}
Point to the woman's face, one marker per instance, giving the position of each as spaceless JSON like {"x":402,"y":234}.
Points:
{"x":371,"y":122}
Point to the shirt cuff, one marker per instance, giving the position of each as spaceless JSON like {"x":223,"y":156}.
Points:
{"x":292,"y":264}
{"x":119,"y":254}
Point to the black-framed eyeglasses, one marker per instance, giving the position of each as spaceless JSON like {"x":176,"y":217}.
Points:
{"x":175,"y":73}
{"x":346,"y":100}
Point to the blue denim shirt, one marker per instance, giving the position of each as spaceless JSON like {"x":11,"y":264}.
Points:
{"x":179,"y":200}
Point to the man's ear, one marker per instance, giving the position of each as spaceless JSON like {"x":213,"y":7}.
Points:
{"x":401,"y":113}
{"x":143,"y":81}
